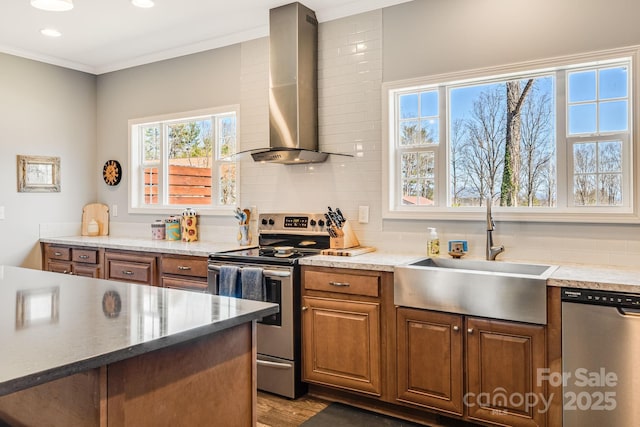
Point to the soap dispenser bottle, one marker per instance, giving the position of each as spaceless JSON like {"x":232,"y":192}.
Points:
{"x":433,"y":244}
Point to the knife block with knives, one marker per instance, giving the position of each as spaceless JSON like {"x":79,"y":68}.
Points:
{"x":345,"y":238}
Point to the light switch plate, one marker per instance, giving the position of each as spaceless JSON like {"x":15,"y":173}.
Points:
{"x":114,"y":210}
{"x":363,"y":214}
{"x":1,"y":212}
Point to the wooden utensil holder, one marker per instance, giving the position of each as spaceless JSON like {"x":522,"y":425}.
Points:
{"x":346,"y":238}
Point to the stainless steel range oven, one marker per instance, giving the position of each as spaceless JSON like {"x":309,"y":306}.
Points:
{"x":283,"y":239}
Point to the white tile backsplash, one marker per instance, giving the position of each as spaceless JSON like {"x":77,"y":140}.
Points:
{"x":349,"y":106}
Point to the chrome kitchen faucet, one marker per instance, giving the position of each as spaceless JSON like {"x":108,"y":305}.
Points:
{"x":492,"y":251}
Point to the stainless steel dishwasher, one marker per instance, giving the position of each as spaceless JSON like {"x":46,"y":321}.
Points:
{"x":600,"y":358}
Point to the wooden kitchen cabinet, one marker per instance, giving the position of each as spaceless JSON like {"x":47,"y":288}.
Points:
{"x":503,"y":359}
{"x":134,"y":267}
{"x":184,"y":272}
{"x":343,"y":328}
{"x":81,"y":261}
{"x":500,"y":359}
{"x":430,"y":359}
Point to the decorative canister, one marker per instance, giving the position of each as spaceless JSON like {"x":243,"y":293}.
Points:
{"x":172,"y":228}
{"x":189,"y":225}
{"x":157,"y":230}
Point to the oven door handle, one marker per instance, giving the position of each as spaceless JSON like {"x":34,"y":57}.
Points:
{"x":272,"y":273}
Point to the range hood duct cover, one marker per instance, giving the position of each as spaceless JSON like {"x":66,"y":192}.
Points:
{"x":293,"y":87}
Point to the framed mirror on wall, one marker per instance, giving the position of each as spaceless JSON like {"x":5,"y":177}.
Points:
{"x":38,"y":174}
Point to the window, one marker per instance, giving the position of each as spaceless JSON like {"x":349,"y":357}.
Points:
{"x":184,"y":160}
{"x":551,"y":140}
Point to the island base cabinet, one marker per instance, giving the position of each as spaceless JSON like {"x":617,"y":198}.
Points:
{"x":504,"y":361}
{"x":430,"y":361}
{"x":203,"y":382}
{"x":68,"y":401}
{"x":341,"y":344}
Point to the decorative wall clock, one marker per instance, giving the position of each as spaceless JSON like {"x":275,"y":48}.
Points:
{"x":112,"y":172}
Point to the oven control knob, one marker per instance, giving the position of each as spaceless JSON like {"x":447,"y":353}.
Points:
{"x":312,"y":222}
{"x":321,"y":223}
{"x":271,"y":222}
{"x":264,"y":221}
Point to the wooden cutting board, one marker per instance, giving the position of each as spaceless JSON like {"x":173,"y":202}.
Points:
{"x":100,"y":213}
{"x":359,"y":250}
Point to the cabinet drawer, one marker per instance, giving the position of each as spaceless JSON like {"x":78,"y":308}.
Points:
{"x":59,"y":267}
{"x":343,"y":283}
{"x":184,"y":266}
{"x":129,"y":271}
{"x":88,"y":256}
{"x":185,"y":284}
{"x":56,"y":252}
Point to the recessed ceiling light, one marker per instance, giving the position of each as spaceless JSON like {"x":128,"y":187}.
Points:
{"x":53,"y":5}
{"x":143,"y":3}
{"x":50,"y":32}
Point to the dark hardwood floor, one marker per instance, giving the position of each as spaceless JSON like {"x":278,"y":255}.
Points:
{"x":276,"y":411}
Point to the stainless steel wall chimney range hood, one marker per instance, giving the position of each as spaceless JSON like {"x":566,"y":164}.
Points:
{"x":293,"y":88}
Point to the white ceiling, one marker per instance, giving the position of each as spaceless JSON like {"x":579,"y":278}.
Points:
{"x":100,"y":36}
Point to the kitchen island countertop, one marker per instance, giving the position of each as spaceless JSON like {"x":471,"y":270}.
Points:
{"x":54,"y":325}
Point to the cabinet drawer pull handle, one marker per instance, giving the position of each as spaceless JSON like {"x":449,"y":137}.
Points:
{"x":456,"y":328}
{"x":57,"y":253}
{"x":84,"y":257}
{"x":470,"y":330}
{"x":128,"y":273}
{"x":343,"y":284}
{"x":184,"y":268}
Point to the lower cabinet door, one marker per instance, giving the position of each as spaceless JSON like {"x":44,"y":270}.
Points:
{"x":430,"y":364}
{"x":504,"y":360}
{"x":341,"y":344}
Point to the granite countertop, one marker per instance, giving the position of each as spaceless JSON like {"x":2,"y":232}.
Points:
{"x":197,"y":248}
{"x":604,"y":278}
{"x":53,"y":325}
{"x":376,"y":261}
{"x":572,"y":276}
{"x":577,"y":276}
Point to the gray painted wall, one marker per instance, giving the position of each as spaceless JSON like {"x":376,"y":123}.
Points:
{"x":45,"y":110}
{"x":426,"y":37}
{"x":192,"y":82}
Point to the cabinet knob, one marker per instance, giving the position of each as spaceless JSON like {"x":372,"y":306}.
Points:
{"x":470,"y":330}
{"x":305,"y":308}
{"x":456,"y":328}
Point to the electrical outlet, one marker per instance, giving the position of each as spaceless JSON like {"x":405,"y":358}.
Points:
{"x":1,"y":212}
{"x":363,"y":214}
{"x":114,"y":210}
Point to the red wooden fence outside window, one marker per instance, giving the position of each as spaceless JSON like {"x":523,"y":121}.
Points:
{"x":188,"y":185}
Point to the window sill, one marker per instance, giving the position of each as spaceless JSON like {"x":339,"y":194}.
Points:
{"x":525,"y":215}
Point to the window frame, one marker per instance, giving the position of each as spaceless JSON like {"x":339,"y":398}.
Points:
{"x":136,"y":203}
{"x":565,"y":210}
